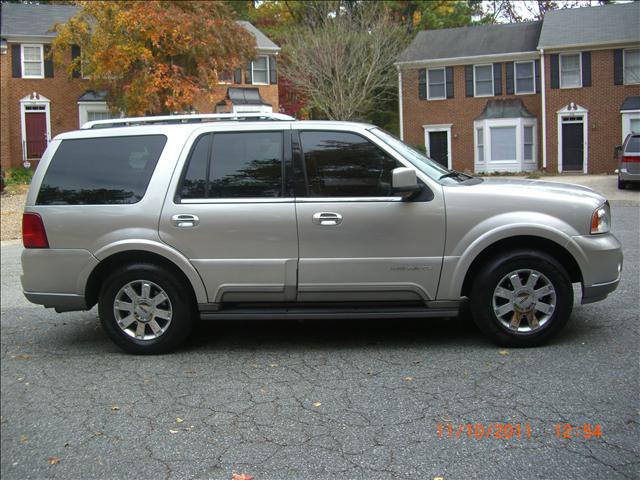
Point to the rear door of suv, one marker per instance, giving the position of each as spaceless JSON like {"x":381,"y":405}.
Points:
{"x":230,"y":213}
{"x":357,"y":241}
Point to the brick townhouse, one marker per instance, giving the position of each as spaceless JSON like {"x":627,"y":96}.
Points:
{"x":39,"y":100}
{"x":557,"y":94}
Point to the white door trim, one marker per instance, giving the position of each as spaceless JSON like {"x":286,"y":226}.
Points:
{"x":574,"y":110}
{"x":33,"y":100}
{"x":442,"y":127}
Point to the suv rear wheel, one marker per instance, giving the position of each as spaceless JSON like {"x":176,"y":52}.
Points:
{"x":145,"y":310}
{"x":522,"y":298}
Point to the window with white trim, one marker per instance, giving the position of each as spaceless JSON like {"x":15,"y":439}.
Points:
{"x":98,"y":115}
{"x":483,"y":80}
{"x":503,"y":143}
{"x":525,"y":77}
{"x":631,"y":64}
{"x":528,"y":144}
{"x":260,"y":71}
{"x":436,"y":87}
{"x":32,"y":61}
{"x":480,"y":144}
{"x":570,"y":70}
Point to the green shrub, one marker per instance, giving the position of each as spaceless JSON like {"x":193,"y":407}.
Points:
{"x":18,"y":176}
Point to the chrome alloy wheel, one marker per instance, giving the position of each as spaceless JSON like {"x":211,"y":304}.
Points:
{"x":524,"y":300}
{"x":142,"y":310}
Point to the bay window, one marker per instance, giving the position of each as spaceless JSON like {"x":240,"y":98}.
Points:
{"x":505,"y":145}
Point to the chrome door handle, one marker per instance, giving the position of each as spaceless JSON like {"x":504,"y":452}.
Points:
{"x":327,"y":218}
{"x":185,"y":220}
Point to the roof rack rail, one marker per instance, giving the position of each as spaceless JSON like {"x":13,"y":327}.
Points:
{"x":183,"y":119}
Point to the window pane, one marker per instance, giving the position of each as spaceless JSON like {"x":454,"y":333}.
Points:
{"x":31,"y":54}
{"x":524,"y":85}
{"x":484,"y":80}
{"x":632,"y":66}
{"x":524,"y":77}
{"x":635,"y":125}
{"x":97,"y":171}
{"x":32,"y":69}
{"x":480,"y":143}
{"x":260,"y":70}
{"x":570,"y":70}
{"x":503,"y":143}
{"x":91,"y":116}
{"x":340,"y":164}
{"x":246,"y":165}
{"x":528,"y":135}
{"x":195,"y":180}
{"x":436,"y":91}
{"x":436,"y":77}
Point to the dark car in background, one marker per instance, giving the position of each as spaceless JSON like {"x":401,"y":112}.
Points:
{"x":629,"y":161}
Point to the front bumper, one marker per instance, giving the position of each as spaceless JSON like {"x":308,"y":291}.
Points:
{"x":600,"y":260}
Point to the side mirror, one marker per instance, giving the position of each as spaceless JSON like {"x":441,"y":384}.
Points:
{"x":404,"y":182}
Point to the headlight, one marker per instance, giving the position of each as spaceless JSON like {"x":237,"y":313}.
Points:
{"x":601,"y":219}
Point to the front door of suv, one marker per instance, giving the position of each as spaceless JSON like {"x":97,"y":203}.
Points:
{"x":229,"y":213}
{"x":357,"y":241}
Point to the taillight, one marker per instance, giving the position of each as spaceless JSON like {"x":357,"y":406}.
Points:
{"x":630,"y":159}
{"x":33,"y":232}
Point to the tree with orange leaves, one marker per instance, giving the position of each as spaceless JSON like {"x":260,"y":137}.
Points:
{"x":153,"y":56}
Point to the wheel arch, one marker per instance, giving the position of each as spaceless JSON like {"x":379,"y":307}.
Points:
{"x":555,"y":250}
{"x":138,"y":253}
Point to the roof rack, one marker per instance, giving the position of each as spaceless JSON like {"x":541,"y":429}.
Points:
{"x":183,"y":119}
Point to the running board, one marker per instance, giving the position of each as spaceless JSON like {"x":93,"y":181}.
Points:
{"x":321,"y":313}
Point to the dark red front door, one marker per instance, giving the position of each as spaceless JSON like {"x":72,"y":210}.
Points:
{"x":36,"y":126}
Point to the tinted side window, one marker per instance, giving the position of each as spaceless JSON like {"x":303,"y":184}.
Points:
{"x":342,"y":164}
{"x":194,"y":184}
{"x":99,"y":171}
{"x":238,"y":165}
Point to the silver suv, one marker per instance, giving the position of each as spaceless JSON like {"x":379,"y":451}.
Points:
{"x":163,"y":220}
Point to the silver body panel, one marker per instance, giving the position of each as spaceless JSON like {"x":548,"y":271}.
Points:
{"x":309,"y":249}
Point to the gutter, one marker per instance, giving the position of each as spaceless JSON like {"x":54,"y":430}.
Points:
{"x":400,"y":103}
{"x":498,"y":57}
{"x":544,"y":110}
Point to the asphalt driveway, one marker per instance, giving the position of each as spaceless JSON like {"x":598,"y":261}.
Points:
{"x":322,"y":400}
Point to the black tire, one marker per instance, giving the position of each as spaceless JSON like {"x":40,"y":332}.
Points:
{"x":621,"y":185}
{"x":182,"y":306}
{"x":491,"y":276}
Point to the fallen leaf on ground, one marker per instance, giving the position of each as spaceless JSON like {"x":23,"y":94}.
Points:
{"x":173,"y":431}
{"x":67,"y":444}
{"x":317,"y":404}
{"x":408,"y":379}
{"x":23,"y":356}
{"x":53,"y":460}
{"x":115,"y":408}
{"x":189,"y":371}
{"x":241,"y":476}
{"x":438,"y":478}
{"x":23,"y":439}
{"x":504,"y":352}
{"x":273,"y":365}
{"x":179,"y":420}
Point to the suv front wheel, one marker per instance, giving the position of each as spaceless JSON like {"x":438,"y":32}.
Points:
{"x":522,"y":298}
{"x":145,"y":310}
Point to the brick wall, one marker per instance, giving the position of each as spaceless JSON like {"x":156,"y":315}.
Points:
{"x":602,"y":100}
{"x":460,"y":111}
{"x":63,"y":93}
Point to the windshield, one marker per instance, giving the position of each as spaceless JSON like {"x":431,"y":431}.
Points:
{"x":418,"y":159}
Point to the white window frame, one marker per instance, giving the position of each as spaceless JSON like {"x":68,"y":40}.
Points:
{"x":85,"y":107}
{"x":41,"y":47}
{"x":519,"y":164}
{"x":253,"y":77}
{"x":624,"y":61}
{"x":533,"y":78}
{"x":573,"y":110}
{"x":443,"y":127}
{"x":33,"y":100}
{"x":627,"y":116}
{"x":444,"y":83}
{"x":475,"y":78}
{"x":570,"y":54}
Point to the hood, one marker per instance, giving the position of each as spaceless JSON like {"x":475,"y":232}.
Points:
{"x":568,"y":191}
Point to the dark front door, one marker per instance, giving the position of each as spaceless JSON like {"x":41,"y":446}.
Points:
{"x":438,"y":148}
{"x":572,"y":147}
{"x":36,"y":126}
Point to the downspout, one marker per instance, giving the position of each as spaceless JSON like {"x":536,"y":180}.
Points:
{"x":544,"y":111}
{"x":400,"y":102}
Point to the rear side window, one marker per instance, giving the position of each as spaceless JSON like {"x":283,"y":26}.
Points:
{"x":633,"y":145}
{"x":101,"y":171}
{"x":234,"y":165}
{"x":342,"y":164}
